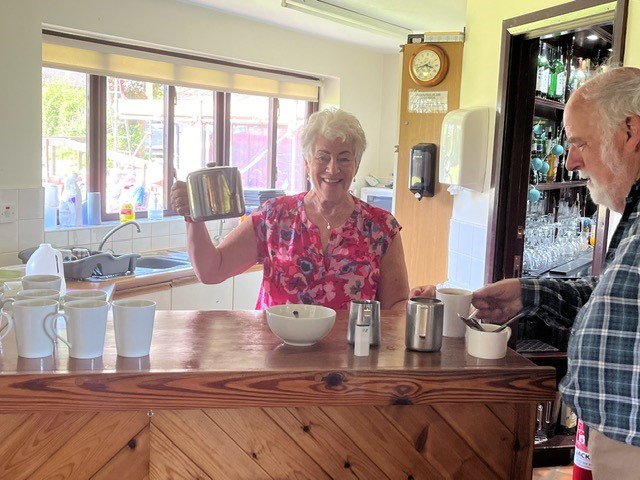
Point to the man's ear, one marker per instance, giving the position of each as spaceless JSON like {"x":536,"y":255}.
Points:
{"x":632,"y":141}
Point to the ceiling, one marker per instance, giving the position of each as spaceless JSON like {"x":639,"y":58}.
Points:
{"x":420,"y":16}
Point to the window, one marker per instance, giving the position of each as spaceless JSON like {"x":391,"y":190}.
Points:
{"x":125,"y":120}
{"x":148,"y":129}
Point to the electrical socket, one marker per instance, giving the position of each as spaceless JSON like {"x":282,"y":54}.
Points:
{"x":7,"y":213}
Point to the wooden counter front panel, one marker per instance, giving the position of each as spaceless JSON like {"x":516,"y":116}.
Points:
{"x":447,"y":441}
{"x":393,"y":442}
{"x":74,"y":445}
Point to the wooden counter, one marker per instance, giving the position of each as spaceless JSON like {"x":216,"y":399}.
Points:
{"x":220,"y":396}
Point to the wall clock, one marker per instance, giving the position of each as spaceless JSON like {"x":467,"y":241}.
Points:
{"x":428,"y":65}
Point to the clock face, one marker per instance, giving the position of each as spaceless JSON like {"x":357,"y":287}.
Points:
{"x":426,"y":65}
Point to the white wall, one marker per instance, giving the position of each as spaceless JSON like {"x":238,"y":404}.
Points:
{"x":362,"y":81}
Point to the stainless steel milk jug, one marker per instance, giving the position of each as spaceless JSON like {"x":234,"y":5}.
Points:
{"x":423,"y":331}
{"x":356,"y":310}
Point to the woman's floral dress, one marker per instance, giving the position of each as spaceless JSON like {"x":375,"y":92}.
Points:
{"x":298,"y":270}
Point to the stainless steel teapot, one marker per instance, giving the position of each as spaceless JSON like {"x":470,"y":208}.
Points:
{"x":215,"y":193}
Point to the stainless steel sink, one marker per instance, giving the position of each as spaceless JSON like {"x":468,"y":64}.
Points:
{"x":160,"y":263}
{"x":148,"y":265}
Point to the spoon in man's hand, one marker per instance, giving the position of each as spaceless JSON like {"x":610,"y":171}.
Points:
{"x":472,"y":323}
{"x":509,"y":322}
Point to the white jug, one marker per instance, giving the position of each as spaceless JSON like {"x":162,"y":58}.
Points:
{"x":47,"y":260}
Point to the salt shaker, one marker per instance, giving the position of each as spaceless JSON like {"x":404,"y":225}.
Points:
{"x":362,"y":333}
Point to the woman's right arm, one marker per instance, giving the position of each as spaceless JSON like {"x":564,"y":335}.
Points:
{"x":237,"y":252}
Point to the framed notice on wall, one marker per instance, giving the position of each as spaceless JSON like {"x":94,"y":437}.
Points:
{"x":421,"y":101}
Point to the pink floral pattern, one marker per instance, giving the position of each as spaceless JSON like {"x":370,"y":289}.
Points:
{"x":297,"y":270}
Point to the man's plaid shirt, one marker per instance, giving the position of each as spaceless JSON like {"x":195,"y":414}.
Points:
{"x":603,"y":378}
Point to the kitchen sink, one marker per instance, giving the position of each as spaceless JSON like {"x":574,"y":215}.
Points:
{"x":160,"y":263}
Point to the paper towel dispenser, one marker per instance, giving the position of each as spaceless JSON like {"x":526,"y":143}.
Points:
{"x":463,"y":148}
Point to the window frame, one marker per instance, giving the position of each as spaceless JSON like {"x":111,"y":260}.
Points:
{"x":97,"y":134}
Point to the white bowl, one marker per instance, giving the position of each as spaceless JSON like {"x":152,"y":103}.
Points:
{"x":313,"y":322}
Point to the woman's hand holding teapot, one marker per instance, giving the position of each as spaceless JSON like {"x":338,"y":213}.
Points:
{"x":179,"y":198}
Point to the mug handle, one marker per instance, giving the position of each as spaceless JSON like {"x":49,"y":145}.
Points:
{"x":7,"y":328}
{"x":5,"y":301}
{"x":52,"y":332}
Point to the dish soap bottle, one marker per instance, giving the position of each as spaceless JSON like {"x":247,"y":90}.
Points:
{"x":47,"y":260}
{"x":127,"y":209}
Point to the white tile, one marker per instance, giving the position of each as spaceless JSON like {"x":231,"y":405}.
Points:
{"x":465,"y":241}
{"x":9,"y":195}
{"x":160,"y":243}
{"x":177,"y":227}
{"x":57,"y":237}
{"x":159,"y":229}
{"x":122,"y":246}
{"x":97,"y":233}
{"x":177,"y":241}
{"x":81,"y":236}
{"x":9,"y":237}
{"x":31,"y":233}
{"x":125,"y":233}
{"x":452,"y":268}
{"x":477,"y":274}
{"x":141,"y":244}
{"x":479,"y":242}
{"x":9,"y":258}
{"x":454,"y":235}
{"x":145,"y":231}
{"x":463,"y":271}
{"x":31,"y":203}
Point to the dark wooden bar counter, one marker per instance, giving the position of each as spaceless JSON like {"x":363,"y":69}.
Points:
{"x":220,"y":396}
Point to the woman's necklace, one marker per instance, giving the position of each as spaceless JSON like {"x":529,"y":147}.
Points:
{"x":325,"y":219}
{"x":320,"y":213}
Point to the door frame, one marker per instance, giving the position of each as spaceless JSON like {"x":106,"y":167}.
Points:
{"x":507,"y":204}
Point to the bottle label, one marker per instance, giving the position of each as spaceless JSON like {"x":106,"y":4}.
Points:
{"x":561,"y":85}
{"x":581,"y":456}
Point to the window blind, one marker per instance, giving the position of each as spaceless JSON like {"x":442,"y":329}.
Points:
{"x":101,"y":57}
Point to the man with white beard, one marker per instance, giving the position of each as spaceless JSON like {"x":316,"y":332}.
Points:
{"x":602,"y":385}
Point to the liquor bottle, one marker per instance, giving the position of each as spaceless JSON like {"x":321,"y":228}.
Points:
{"x":553,"y":76}
{"x":542,"y":78}
{"x":559,"y":70}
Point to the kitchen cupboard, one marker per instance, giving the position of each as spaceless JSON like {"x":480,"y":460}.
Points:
{"x":246,"y":287}
{"x":237,"y":293}
{"x":159,"y":293}
{"x":187,"y":295}
{"x":515,"y":211}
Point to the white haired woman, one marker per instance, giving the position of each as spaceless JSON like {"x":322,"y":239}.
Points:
{"x":322,"y":247}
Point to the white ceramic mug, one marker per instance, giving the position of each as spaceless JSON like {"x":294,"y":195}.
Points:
{"x":488,"y":344}
{"x":84,"y":295}
{"x":41,"y":281}
{"x":456,"y":301}
{"x":86,"y":322}
{"x":32,"y":320}
{"x":133,"y":326}
{"x":38,"y":293}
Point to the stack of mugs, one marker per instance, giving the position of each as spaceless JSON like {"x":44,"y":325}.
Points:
{"x":36,"y":311}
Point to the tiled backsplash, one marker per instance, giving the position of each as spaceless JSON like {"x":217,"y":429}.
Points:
{"x":28,"y":230}
{"x":467,"y":250}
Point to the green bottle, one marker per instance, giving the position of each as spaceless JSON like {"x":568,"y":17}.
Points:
{"x":542,"y":77}
{"x":560,"y":73}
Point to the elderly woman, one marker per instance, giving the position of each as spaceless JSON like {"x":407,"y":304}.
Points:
{"x":323,"y":247}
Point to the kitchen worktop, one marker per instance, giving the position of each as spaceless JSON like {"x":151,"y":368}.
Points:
{"x":213,"y":376}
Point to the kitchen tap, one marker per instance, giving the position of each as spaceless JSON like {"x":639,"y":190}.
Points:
{"x":115,"y":229}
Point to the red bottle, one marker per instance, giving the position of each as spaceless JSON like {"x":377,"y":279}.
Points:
{"x":581,"y":459}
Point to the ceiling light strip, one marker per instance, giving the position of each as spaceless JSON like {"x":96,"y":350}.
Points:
{"x":345,"y":16}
